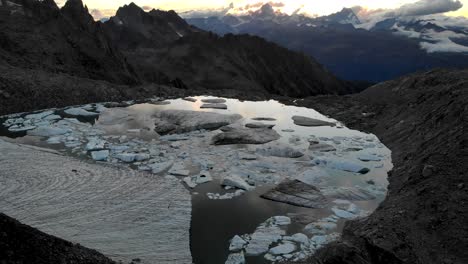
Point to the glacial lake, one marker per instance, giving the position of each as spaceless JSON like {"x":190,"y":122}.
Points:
{"x":350,"y":173}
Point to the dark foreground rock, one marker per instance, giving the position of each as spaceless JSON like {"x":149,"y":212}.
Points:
{"x":422,"y":118}
{"x":20,"y":243}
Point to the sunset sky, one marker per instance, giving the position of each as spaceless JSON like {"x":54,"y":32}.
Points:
{"x":310,"y":6}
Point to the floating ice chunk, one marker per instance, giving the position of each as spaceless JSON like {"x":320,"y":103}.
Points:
{"x":100,"y":108}
{"x":313,"y":176}
{"x":179,"y":172}
{"x":193,"y":181}
{"x":300,"y":238}
{"x":95,"y":144}
{"x":54,"y":140}
{"x":237,"y":243}
{"x":131,"y":157}
{"x":296,"y":193}
{"x":101,"y":155}
{"x":40,"y":115}
{"x":343,"y":214}
{"x":245,"y":136}
{"x":262,"y":238}
{"x":282,"y":249}
{"x":226,"y":196}
{"x":281,"y":220}
{"x":52,"y":117}
{"x":280,"y":150}
{"x":47,"y":131}
{"x":236,"y":258}
{"x":190,"y":99}
{"x":237,"y":182}
{"x":264,"y":119}
{"x":369,"y":157}
{"x":214,"y":101}
{"x":343,"y":165}
{"x":80,"y":112}
{"x":321,"y":147}
{"x":310,"y":122}
{"x":259,"y":125}
{"x":320,"y":228}
{"x":158,"y":168}
{"x":246,"y":156}
{"x":214,"y":106}
{"x":16,"y":128}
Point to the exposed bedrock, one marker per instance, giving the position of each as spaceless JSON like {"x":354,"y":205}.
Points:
{"x":422,"y":118}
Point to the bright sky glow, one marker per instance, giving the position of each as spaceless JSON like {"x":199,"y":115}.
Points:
{"x":322,"y":7}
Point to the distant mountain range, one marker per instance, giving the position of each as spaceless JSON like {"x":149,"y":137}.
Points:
{"x":374,"y":49}
{"x":136,"y":47}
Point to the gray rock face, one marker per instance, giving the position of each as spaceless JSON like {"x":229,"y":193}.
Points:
{"x":180,"y":121}
{"x":310,"y":122}
{"x":297,"y":193}
{"x":246,"y":136}
{"x":259,"y":125}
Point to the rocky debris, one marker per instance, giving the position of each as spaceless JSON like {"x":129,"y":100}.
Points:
{"x":310,"y":122}
{"x":280,"y":150}
{"x":259,"y":125}
{"x":181,"y":121}
{"x":79,"y":112}
{"x":196,"y":180}
{"x":236,"y":182}
{"x":236,"y":258}
{"x":190,"y":99}
{"x":214,"y":106}
{"x":237,"y":243}
{"x":297,"y":193}
{"x":214,"y":101}
{"x":101,"y":155}
{"x":321,"y":147}
{"x":246,"y":136}
{"x":25,"y":244}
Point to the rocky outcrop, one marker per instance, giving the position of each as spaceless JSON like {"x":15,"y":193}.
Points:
{"x":162,"y":45}
{"x":422,"y":118}
{"x":41,"y":36}
{"x":23,"y":244}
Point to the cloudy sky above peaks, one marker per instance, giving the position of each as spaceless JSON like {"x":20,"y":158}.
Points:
{"x":312,"y":7}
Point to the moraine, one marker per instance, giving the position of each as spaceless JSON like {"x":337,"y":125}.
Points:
{"x":313,"y":173}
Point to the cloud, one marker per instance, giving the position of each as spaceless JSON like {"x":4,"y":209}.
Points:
{"x":99,"y":14}
{"x":445,"y":45}
{"x":428,"y":7}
